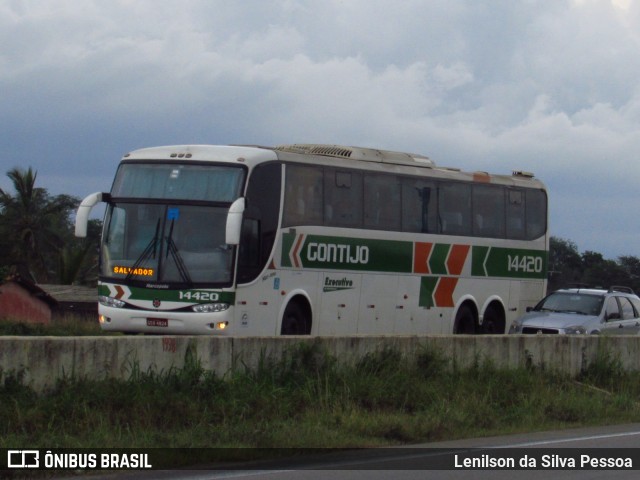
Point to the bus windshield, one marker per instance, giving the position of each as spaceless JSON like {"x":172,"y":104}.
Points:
{"x":208,"y":183}
{"x":173,"y":244}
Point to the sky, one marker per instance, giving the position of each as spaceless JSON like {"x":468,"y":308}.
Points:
{"x":546,"y":86}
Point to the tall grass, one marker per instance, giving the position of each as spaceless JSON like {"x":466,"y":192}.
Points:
{"x":308,"y":399}
{"x":64,"y":326}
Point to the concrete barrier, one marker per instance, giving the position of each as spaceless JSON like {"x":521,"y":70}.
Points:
{"x":41,"y":361}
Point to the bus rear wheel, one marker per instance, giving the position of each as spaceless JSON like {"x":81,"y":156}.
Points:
{"x":493,"y":321}
{"x":296,"y":319}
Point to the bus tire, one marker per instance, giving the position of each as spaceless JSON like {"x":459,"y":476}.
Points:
{"x":493,"y":321}
{"x":296,"y":319}
{"x":465,"y":323}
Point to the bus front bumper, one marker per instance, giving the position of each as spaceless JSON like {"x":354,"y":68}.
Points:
{"x":165,"y":322}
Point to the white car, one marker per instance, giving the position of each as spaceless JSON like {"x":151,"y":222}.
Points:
{"x":583,"y":311}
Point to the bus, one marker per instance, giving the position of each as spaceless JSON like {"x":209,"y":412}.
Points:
{"x":309,"y":239}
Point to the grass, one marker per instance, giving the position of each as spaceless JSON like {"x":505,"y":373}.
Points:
{"x":310,"y":400}
{"x":65,"y":326}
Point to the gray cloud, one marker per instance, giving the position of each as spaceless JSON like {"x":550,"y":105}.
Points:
{"x":546,"y":86}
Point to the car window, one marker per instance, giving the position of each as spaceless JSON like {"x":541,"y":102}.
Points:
{"x":636,"y":304}
{"x":627,"y":309}
{"x":612,"y":310}
{"x":572,"y":303}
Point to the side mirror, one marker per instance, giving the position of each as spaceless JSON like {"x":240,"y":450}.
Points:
{"x":82,"y":215}
{"x":234,"y":222}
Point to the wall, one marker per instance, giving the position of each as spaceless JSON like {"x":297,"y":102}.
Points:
{"x":19,"y":304}
{"x":42,"y":360}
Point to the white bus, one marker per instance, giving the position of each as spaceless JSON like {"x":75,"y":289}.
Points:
{"x":315,"y":240}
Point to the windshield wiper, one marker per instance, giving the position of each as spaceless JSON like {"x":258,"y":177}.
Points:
{"x":177,"y":258}
{"x":149,"y":251}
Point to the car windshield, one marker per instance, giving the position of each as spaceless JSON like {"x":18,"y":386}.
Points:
{"x":565,"y":302}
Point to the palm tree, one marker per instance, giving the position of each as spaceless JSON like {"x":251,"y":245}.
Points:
{"x":33,"y":225}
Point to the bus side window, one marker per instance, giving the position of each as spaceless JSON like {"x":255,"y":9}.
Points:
{"x":249,"y":254}
{"x":536,"y":208}
{"x":515,"y":214}
{"x":343,"y":197}
{"x":382,"y":202}
{"x":260,"y":221}
{"x":488,"y":211}
{"x":303,"y":201}
{"x":419,"y":206}
{"x":454,"y":200}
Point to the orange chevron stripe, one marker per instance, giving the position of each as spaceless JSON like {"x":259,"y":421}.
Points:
{"x":443,"y":296}
{"x":421,"y":257}
{"x":457,"y":257}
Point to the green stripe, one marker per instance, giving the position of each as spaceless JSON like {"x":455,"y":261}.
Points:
{"x":438,"y":260}
{"x":187,"y":296}
{"x":325,"y":252}
{"x":288,"y":240}
{"x":509,"y":262}
{"x":478,"y":256}
{"x":343,"y":253}
{"x":427,"y":287}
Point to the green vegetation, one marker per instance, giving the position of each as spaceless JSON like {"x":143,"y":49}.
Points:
{"x":310,"y":400}
{"x":36,"y":234}
{"x":68,"y":326}
{"x":568,"y":267}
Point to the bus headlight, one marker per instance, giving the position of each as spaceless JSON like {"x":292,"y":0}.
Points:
{"x":110,"y":302}
{"x":210,"y":307}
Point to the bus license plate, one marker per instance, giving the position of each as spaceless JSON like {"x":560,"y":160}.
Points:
{"x":157,"y":322}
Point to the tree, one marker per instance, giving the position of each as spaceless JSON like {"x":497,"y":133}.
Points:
{"x":35,"y":227}
{"x":78,"y":260}
{"x":601,"y":272}
{"x":568,"y":267}
{"x":565,"y":264}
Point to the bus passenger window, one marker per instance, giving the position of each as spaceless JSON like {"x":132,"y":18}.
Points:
{"x":382,"y":202}
{"x":515,"y":214}
{"x":303,"y":196}
{"x":419,"y":212}
{"x":536,"y":208}
{"x":454,"y":201}
{"x":343,"y":197}
{"x":488,"y":211}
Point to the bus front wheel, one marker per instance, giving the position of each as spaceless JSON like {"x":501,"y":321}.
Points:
{"x":296,"y":319}
{"x":465,"y":321}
